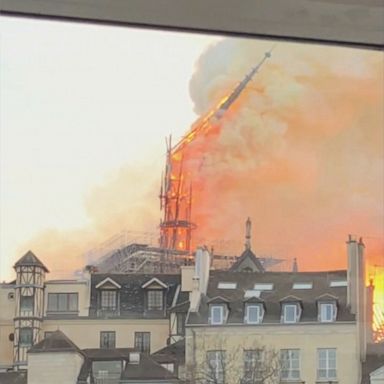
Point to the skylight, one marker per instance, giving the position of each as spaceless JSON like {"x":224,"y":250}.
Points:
{"x":251,"y":293}
{"x":263,"y":287}
{"x":224,"y":285}
{"x":339,"y":283}
{"x":302,"y":286}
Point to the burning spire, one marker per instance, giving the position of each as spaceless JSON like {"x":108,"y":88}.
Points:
{"x":175,"y":196}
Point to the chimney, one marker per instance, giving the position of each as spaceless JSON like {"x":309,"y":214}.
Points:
{"x":200,"y":278}
{"x":295,"y":267}
{"x":134,"y":357}
{"x":352,"y":273}
{"x":248,"y":228}
{"x":356,"y":291}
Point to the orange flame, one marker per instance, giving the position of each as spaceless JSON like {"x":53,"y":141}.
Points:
{"x":272,"y":156}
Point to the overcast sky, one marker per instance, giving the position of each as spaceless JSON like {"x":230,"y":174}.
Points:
{"x":78,"y":102}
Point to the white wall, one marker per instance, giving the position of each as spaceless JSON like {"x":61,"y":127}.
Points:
{"x":54,"y":368}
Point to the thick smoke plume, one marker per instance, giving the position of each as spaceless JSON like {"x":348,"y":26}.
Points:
{"x":300,"y":151}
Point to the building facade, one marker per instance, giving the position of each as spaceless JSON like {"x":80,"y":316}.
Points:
{"x":270,"y":327}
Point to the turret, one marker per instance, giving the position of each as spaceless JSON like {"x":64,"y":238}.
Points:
{"x":29,"y":295}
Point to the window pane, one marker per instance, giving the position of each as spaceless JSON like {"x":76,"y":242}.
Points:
{"x":107,"y":339}
{"x":26,"y":303}
{"x":216,"y":314}
{"x":73,"y":305}
{"x":26,"y":336}
{"x":108,"y":300}
{"x":52,"y":302}
{"x":62,"y":302}
{"x":155,"y":300}
{"x":143,"y":341}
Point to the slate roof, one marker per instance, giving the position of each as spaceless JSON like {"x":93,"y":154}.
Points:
{"x":247,"y":254}
{"x":13,"y":377}
{"x":56,"y":342}
{"x":282,"y":287}
{"x":132,"y":295}
{"x":30,"y":259}
{"x":147,"y":369}
{"x":171,"y":353}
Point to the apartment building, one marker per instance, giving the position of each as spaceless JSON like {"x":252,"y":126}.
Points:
{"x":96,"y":311}
{"x":247,"y":326}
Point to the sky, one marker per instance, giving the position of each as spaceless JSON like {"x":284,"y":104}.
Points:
{"x":81,"y":104}
{"x":85,"y":110}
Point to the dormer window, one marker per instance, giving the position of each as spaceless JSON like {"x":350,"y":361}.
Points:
{"x":217,"y":314}
{"x":327,"y":312}
{"x":108,"y":300}
{"x":254,"y":313}
{"x":327,"y":308}
{"x":290,"y":309}
{"x":155,"y":294}
{"x":108,"y":296}
{"x":155,"y":300}
{"x":291,"y":313}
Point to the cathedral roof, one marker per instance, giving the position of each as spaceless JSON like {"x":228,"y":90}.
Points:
{"x":249,"y":258}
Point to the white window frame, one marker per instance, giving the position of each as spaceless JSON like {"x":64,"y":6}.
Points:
{"x":108,"y":300}
{"x":217,"y":365}
{"x":221,"y":311}
{"x":323,"y":312}
{"x":155,"y":300}
{"x":328,"y":366}
{"x":260,"y":313}
{"x":285,"y":312}
{"x":293,"y":366}
{"x":253,"y":363}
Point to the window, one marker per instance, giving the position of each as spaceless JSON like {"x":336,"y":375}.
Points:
{"x":108,"y":339}
{"x":26,"y":336}
{"x":290,"y":313}
{"x":217,"y":314}
{"x":338,"y":283}
{"x":143,"y":341}
{"x":26,"y":303}
{"x":253,"y":365}
{"x":180,"y":318}
{"x":302,"y":286}
{"x":107,"y":371}
{"x":216,"y":367}
{"x":169,"y":366}
{"x":62,"y":302}
{"x":263,"y":287}
{"x":155,"y":300}
{"x":326,"y":363}
{"x":253,"y":314}
{"x":290,"y":364}
{"x":327,"y":312}
{"x":224,"y":285}
{"x":108,"y":300}
{"x":47,"y":334}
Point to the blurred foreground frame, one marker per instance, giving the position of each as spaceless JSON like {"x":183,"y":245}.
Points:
{"x":352,"y":23}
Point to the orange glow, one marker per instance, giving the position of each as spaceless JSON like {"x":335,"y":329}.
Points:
{"x":292,"y":153}
{"x":378,"y":304}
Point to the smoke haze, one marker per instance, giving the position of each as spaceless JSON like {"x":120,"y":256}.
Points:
{"x":300,"y":152}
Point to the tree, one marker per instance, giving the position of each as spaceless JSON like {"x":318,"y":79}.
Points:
{"x":256,"y":364}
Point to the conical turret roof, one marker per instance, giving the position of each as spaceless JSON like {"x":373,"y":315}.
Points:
{"x":30,"y":259}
